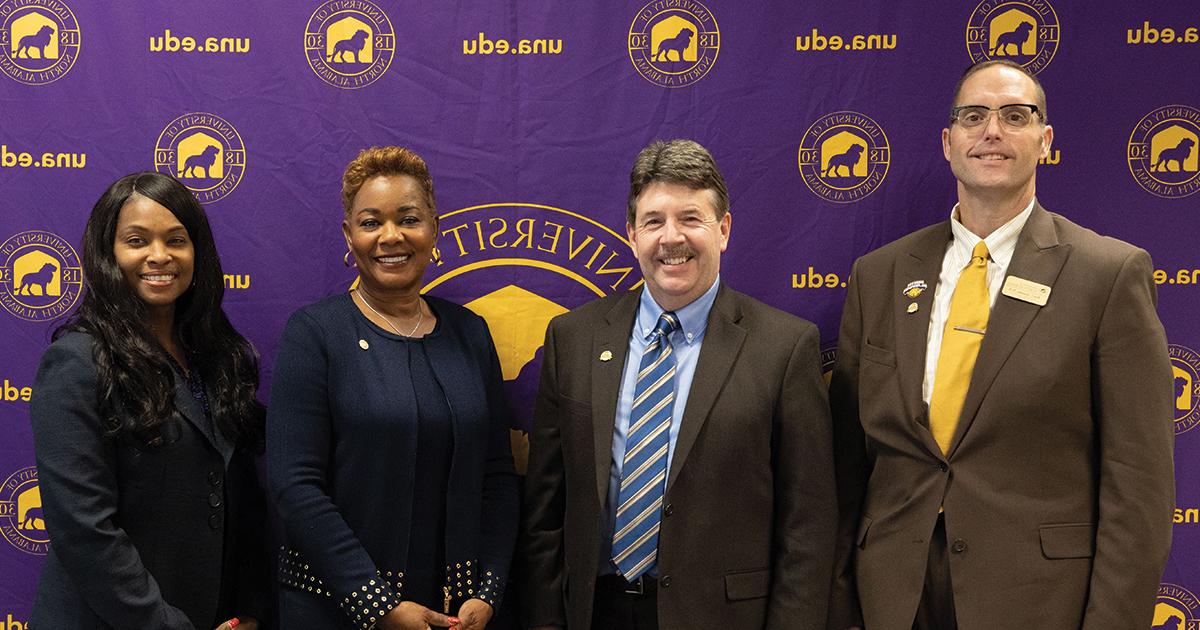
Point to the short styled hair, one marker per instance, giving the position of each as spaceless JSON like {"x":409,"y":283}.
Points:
{"x":382,"y":161}
{"x":682,"y":162}
{"x":983,"y":65}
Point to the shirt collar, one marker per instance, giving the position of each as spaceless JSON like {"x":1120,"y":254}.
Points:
{"x":1001,"y":243}
{"x":693,"y":318}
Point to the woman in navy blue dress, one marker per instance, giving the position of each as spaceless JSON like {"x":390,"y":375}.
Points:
{"x":388,"y":447}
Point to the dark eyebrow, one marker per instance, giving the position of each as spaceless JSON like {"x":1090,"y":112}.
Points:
{"x":141,"y":228}
{"x":369,"y":210}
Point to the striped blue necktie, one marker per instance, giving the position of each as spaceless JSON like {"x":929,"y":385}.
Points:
{"x":644,"y":471}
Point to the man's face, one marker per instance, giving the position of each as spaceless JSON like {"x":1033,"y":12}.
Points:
{"x":678,"y":241}
{"x":994,"y":158}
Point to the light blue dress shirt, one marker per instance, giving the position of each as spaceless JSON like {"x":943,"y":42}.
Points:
{"x":685,"y":347}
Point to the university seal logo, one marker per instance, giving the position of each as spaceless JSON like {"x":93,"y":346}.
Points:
{"x":349,"y":43}
{"x":1022,"y":31}
{"x":828,"y":359}
{"x":39,"y":41}
{"x":40,"y":276}
{"x":844,"y":157}
{"x":1163,"y":151}
{"x":21,"y":520}
{"x":1185,"y":368}
{"x":674,"y":43}
{"x":204,"y":152}
{"x":1176,"y":609}
{"x":518,"y":265}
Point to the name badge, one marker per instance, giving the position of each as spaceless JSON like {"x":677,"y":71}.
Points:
{"x":1026,"y":290}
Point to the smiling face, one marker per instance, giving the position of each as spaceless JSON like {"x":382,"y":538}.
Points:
{"x":678,"y":241}
{"x":154,"y":252}
{"x":993,"y":160}
{"x":391,"y":231}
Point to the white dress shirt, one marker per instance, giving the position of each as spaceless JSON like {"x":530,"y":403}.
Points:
{"x":1001,"y":244}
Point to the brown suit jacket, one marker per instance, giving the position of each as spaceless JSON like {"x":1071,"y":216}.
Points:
{"x":1058,"y":487}
{"x":749,"y":518}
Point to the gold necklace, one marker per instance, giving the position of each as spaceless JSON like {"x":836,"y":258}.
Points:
{"x":386,"y":320}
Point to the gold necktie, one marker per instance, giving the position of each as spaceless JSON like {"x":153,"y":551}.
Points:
{"x":965,"y":326}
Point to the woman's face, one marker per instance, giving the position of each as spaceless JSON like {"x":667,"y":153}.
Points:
{"x":391,"y":231}
{"x":154,"y":252}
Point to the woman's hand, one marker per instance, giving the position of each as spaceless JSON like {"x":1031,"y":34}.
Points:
{"x":413,"y":616}
{"x":474,"y":615}
{"x":243,"y":623}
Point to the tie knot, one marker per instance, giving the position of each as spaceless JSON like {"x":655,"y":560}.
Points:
{"x":979,"y":255}
{"x":667,"y":324}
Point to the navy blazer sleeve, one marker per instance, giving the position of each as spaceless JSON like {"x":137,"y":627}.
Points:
{"x":299,"y":439}
{"x":500,"y":506}
{"x":78,"y":479}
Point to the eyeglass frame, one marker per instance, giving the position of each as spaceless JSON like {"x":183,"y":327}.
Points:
{"x":1033,"y":109}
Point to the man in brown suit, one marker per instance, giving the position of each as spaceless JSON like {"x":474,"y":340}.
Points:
{"x":737,"y":522}
{"x":1002,"y":465}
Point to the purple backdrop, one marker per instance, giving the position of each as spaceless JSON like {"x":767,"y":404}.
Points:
{"x":529,"y":114}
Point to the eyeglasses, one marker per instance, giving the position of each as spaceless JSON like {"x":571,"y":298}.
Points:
{"x":1013,"y":116}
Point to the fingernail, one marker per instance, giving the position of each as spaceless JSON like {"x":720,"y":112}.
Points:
{"x":453,"y":620}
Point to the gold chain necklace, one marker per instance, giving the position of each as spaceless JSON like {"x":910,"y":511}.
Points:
{"x":386,"y":320}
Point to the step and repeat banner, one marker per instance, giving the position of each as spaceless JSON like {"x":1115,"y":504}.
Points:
{"x":825,"y":118}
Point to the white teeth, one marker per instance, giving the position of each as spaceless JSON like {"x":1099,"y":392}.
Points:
{"x":391,"y":259}
{"x":992,"y":156}
{"x":159,"y":278}
{"x":675,"y":261}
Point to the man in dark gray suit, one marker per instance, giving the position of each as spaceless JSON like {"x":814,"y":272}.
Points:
{"x":680,"y":468}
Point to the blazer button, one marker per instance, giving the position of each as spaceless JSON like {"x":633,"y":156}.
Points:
{"x":668,"y":510}
{"x":943,"y":467}
{"x":214,"y":479}
{"x":665,"y":581}
{"x":959,"y":545}
{"x":214,"y":500}
{"x":214,"y":521}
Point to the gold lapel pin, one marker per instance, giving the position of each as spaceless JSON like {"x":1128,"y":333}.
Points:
{"x":362,"y":343}
{"x":915,"y":289}
{"x":606,"y":355}
{"x":912,"y":308}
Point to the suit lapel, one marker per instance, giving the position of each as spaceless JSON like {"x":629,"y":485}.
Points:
{"x":1038,"y":257}
{"x":723,"y":339}
{"x":190,"y":409}
{"x":923,"y":262}
{"x":612,"y":336}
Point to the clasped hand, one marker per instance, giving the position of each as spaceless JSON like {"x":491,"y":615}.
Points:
{"x":474,"y":614}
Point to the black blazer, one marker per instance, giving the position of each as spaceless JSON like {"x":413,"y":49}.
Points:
{"x":138,"y":533}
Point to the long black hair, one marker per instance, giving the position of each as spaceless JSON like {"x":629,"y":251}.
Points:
{"x":136,"y":379}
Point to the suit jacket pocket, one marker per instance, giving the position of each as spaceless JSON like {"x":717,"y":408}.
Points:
{"x":875,"y":354}
{"x":863,"y":527}
{"x":747,"y":584}
{"x":1068,"y":540}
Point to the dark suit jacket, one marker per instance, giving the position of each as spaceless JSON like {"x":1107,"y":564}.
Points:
{"x":748,"y":519}
{"x":1058,"y":487}
{"x":137,"y":532}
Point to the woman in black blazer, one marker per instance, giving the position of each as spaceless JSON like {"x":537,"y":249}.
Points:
{"x":145,"y":424}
